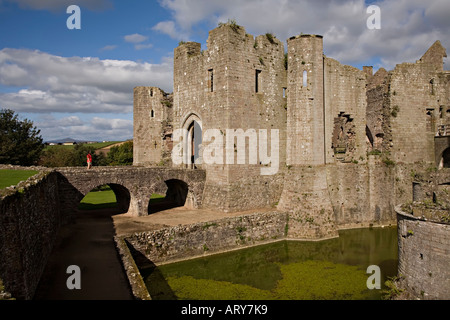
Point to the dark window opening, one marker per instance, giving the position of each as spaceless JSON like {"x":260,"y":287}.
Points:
{"x":151,"y":92}
{"x":152,"y":114}
{"x":211,"y":80}
{"x":446,"y":158}
{"x":257,"y":80}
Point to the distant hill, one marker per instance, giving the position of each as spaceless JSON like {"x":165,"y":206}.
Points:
{"x":64,"y":140}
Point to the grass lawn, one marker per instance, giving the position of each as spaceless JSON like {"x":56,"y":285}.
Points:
{"x":96,"y":146}
{"x":12,"y":177}
{"x":99,"y":200}
{"x":107,"y":199}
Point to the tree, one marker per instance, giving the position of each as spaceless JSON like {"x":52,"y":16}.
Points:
{"x":57,"y":156}
{"x":121,"y":155}
{"x":61,"y":156}
{"x":80,"y":153}
{"x":20,"y":142}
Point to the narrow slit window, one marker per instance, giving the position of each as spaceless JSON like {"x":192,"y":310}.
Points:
{"x":151,"y":92}
{"x":305,"y":78}
{"x":257,"y":80}
{"x":211,"y":80}
{"x":152,"y":114}
{"x":284,"y":92}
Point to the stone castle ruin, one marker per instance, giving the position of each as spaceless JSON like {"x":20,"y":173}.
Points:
{"x":298,"y":144}
{"x":348,"y":139}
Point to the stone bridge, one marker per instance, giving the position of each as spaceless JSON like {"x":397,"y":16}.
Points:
{"x":133,"y":186}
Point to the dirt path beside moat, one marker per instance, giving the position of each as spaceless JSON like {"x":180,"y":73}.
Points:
{"x":89,"y":244}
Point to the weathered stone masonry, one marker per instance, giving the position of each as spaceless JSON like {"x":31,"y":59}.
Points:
{"x":349,"y":138}
{"x":32,"y":212}
{"x":424,"y":254}
{"x":29,"y":222}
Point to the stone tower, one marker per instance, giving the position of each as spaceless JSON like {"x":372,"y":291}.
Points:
{"x":152,"y":117}
{"x":305,"y":120}
{"x":236,"y":87}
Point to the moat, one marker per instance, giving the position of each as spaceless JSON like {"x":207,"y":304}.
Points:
{"x":288,"y":270}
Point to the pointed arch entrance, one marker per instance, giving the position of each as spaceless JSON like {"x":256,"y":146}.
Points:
{"x":193,"y":141}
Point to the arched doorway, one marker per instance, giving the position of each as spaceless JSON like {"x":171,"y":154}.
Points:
{"x":445,"y":159}
{"x":192,"y":142}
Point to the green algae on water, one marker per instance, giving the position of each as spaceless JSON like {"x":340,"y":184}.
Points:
{"x":332,"y":269}
{"x":308,"y":280}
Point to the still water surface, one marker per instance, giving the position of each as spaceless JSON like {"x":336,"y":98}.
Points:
{"x":287,"y":270}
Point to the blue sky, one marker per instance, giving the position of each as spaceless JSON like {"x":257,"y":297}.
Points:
{"x":79,"y":83}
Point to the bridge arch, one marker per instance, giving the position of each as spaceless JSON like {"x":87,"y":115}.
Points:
{"x":175,"y":195}
{"x":121,"y":193}
{"x":133,"y":186}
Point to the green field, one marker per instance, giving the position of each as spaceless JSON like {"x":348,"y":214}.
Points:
{"x":12,"y":177}
{"x":96,"y":146}
{"x":106,"y":199}
{"x":99,"y":200}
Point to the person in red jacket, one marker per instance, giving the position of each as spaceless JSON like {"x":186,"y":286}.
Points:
{"x":89,"y":160}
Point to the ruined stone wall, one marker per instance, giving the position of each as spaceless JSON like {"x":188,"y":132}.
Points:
{"x":365,"y":194}
{"x":413,"y":113}
{"x":29,"y":223}
{"x":424,"y":256}
{"x":152,"y":114}
{"x":199,"y":239}
{"x":378,"y":112}
{"x":345,"y":112}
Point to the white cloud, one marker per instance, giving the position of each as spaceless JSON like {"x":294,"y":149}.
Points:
{"x":112,"y":124}
{"x":108,"y":48}
{"x":169,"y":28}
{"x":141,"y":46}
{"x":74,"y":84}
{"x":135,"y":38}
{"x":96,"y":128}
{"x":408,"y":27}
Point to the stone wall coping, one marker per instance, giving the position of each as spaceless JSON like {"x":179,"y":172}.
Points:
{"x":409,"y":216}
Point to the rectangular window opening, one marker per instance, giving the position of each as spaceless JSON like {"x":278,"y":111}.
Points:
{"x":305,"y":79}
{"x":257,"y":80}
{"x":284,"y":92}
{"x":211,"y":80}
